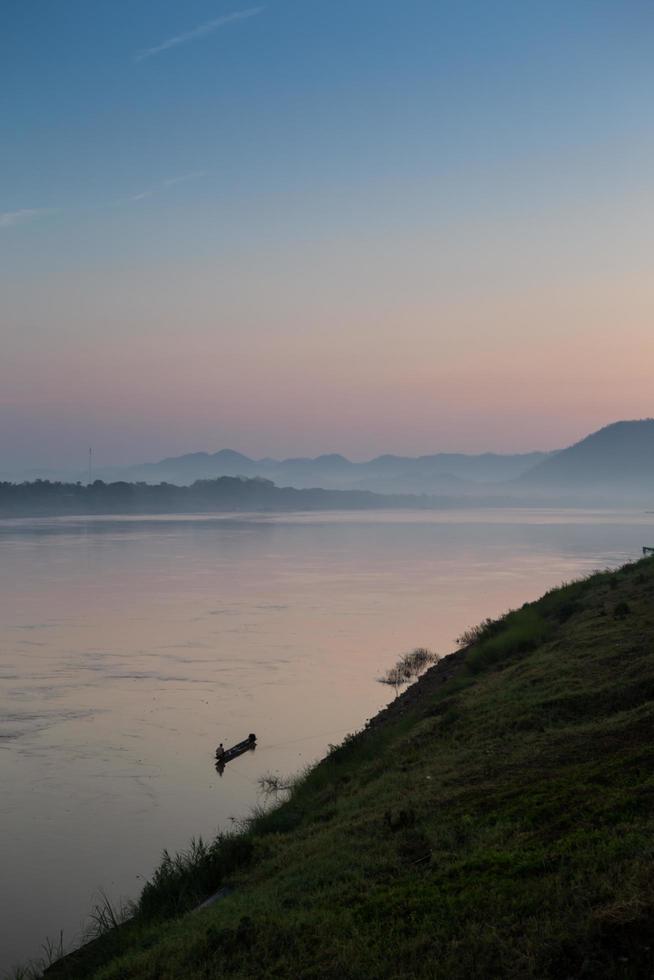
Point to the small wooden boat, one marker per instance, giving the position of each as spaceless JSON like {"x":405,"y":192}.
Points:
{"x":226,"y":755}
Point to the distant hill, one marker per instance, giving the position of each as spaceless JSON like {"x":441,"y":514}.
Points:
{"x":437,"y":473}
{"x":619,"y":456}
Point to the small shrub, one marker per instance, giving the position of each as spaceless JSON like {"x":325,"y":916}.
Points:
{"x":184,"y":880}
{"x":408,"y":667}
{"x":523,"y":631}
{"x":621,"y":611}
{"x":105,"y":916}
{"x":482,"y":631}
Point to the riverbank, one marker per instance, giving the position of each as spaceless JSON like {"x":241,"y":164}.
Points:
{"x":495,"y":820}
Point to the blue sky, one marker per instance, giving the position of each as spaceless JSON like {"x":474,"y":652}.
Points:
{"x":276,"y":147}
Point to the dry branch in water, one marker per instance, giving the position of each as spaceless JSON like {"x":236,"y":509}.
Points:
{"x":270,"y":784}
{"x":408,"y":667}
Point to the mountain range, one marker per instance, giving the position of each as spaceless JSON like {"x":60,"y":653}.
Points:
{"x":612,"y":465}
{"x":439,"y":473}
{"x":618,"y":458}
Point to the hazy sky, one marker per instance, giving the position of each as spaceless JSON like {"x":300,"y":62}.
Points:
{"x":305,"y":226}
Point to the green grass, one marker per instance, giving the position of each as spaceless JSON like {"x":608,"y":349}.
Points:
{"x":496,"y":821}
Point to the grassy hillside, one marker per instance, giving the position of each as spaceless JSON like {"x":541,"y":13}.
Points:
{"x":495,"y":821}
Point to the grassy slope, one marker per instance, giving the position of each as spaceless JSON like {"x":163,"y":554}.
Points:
{"x":496,"y":821}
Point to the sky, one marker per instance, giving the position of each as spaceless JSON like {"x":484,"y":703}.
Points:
{"x":306,"y":226}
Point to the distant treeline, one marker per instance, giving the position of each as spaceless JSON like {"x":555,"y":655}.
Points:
{"x":227,"y":493}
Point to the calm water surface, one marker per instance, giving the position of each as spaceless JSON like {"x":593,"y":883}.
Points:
{"x":130,"y":647}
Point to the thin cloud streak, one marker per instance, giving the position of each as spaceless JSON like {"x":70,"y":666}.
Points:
{"x":165,"y":184}
{"x":8,"y":219}
{"x":199,"y":32}
{"x":194,"y":175}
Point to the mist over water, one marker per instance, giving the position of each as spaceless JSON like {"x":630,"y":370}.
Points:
{"x":130,"y":647}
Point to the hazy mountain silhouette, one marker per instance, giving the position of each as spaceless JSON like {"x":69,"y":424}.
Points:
{"x":437,"y":473}
{"x":619,"y":457}
{"x":610,"y":467}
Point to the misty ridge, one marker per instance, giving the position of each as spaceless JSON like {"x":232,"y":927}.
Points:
{"x":389,"y":474}
{"x":612,"y":467}
{"x":619,"y":456}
